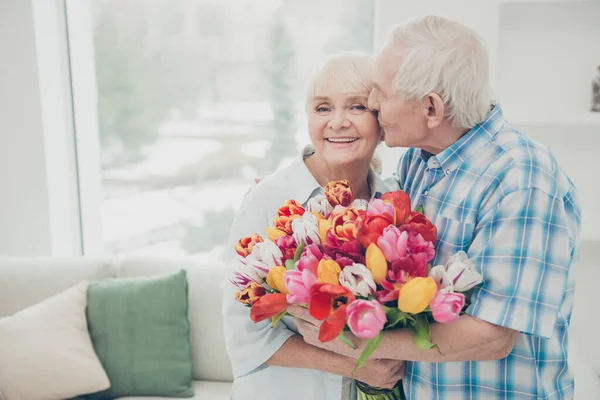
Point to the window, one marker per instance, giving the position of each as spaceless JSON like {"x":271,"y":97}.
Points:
{"x":195,"y":99}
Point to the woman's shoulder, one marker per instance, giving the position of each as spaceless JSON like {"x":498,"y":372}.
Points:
{"x":273,"y":188}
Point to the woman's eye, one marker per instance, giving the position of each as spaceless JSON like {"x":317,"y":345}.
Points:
{"x":322,"y":109}
{"x":358,"y":107}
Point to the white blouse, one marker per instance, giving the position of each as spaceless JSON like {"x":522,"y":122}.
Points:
{"x":250,"y":345}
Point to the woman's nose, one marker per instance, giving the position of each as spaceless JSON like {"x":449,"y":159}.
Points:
{"x":339,"y":121}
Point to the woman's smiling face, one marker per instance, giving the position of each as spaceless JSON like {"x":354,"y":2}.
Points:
{"x":342,"y":129}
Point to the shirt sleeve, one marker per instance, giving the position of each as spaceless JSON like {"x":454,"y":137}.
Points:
{"x":524,"y":252}
{"x":249,"y":345}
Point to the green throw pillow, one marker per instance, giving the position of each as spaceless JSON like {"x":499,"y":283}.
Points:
{"x":141,"y":333}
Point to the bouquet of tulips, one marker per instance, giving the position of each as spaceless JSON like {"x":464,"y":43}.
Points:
{"x":363,"y":269}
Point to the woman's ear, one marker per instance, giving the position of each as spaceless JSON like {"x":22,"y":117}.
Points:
{"x":433,"y":110}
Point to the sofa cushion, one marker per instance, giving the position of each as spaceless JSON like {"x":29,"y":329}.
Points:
{"x":202,"y":390}
{"x":28,"y":281}
{"x":211,"y":361}
{"x":141,"y":332}
{"x":46,"y":352}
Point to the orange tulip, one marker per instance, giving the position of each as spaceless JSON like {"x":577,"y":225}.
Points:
{"x":244,"y":246}
{"x":251,"y":293}
{"x":339,"y":193}
{"x":286,"y":214}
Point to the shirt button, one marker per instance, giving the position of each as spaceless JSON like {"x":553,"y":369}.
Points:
{"x":425,"y":193}
{"x":448,"y":172}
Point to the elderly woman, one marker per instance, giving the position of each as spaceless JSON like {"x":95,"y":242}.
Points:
{"x":274,"y":363}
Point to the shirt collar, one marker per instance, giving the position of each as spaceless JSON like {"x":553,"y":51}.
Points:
{"x":302,"y":185}
{"x":472,"y":141}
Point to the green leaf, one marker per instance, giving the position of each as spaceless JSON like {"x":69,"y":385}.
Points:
{"x":290,"y":264}
{"x":395,"y":318}
{"x":421,"y":332}
{"x":299,"y":251}
{"x":343,"y":338}
{"x":420,"y":209}
{"x":277,"y":318}
{"x":369,"y":349}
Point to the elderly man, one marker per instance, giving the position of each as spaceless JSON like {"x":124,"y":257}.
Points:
{"x":492,"y":192}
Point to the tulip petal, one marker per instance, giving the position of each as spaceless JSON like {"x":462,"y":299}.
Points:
{"x":332,"y":326}
{"x":268,"y":306}
{"x":376,"y":262}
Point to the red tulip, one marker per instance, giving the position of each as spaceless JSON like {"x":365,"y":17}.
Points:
{"x":268,"y":306}
{"x":421,"y":224}
{"x":328,"y":302}
{"x":401,"y":203}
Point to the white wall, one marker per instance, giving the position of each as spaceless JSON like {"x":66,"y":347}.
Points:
{"x":548,"y":55}
{"x":24,"y":213}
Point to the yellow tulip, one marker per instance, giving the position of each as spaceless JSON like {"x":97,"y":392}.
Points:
{"x":328,"y":271}
{"x":273,"y":233}
{"x":324,"y":225}
{"x":275,"y":279}
{"x":415,"y":296}
{"x":376,"y":263}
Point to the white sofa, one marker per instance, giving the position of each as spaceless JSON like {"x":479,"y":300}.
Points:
{"x":27,"y":281}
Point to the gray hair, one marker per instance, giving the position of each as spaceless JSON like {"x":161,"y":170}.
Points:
{"x":344,"y":72}
{"x":444,"y":57}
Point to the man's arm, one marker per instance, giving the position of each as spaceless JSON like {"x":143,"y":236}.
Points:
{"x":467,"y":339}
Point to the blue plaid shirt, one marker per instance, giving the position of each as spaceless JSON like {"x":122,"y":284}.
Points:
{"x":503,"y":199}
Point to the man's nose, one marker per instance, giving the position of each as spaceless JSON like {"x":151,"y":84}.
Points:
{"x":372,"y":101}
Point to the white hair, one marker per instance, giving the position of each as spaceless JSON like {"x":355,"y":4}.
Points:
{"x":344,"y":72}
{"x":444,"y":57}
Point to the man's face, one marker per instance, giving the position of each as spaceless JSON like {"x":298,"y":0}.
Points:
{"x":403,"y":121}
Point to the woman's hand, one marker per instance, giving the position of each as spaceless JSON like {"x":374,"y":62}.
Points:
{"x":380,"y":373}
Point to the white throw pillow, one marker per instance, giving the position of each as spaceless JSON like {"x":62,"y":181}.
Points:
{"x":46,"y":352}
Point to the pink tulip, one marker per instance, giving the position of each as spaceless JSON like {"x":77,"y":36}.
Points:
{"x":366,"y":318}
{"x":380,"y":207}
{"x":419,"y":246}
{"x":298,"y":284}
{"x":446,"y":306}
{"x":309,"y":259}
{"x":393,"y":243}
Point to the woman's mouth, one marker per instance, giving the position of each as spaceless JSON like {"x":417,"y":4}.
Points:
{"x":341,"y":140}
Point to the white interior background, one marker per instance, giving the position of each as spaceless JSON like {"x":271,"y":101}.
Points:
{"x":544,"y":55}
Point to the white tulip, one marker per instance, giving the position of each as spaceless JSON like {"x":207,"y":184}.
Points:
{"x":458,"y":275}
{"x":461,"y":271}
{"x":319,"y":204}
{"x":358,"y":279}
{"x":306,"y":227}
{"x":265,"y":255}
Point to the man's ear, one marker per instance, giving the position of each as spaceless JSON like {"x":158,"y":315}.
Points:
{"x":433,"y":110}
